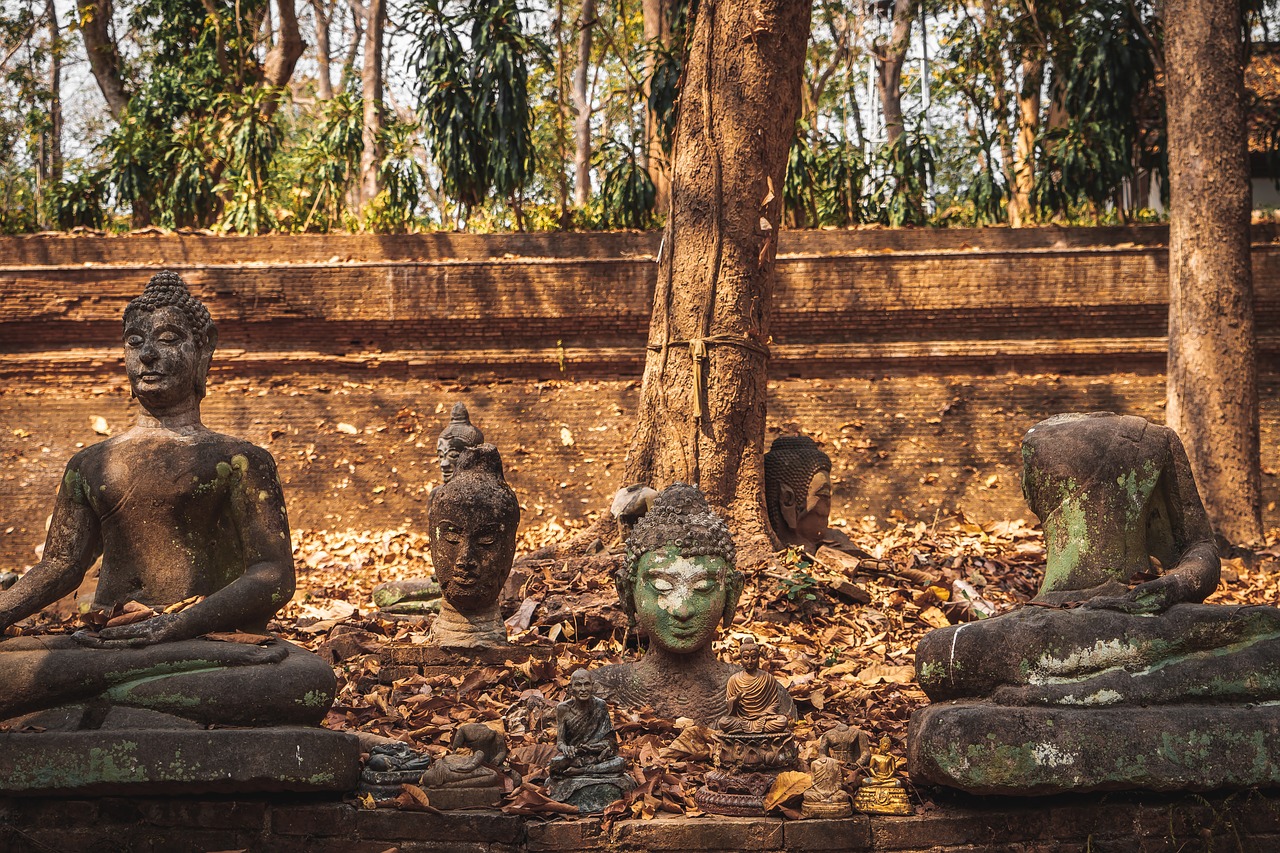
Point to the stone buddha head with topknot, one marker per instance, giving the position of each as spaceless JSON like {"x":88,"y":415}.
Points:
{"x":679,"y":582}
{"x":797,"y":490}
{"x":458,"y":436}
{"x":473,"y":520}
{"x":169,"y":339}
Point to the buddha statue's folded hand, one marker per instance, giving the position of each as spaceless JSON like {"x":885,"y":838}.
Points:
{"x":164,"y":628}
{"x":1154,"y":596}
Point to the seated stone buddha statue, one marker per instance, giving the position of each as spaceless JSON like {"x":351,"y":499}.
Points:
{"x":677,"y":585}
{"x":1116,"y":665}
{"x":177,"y":513}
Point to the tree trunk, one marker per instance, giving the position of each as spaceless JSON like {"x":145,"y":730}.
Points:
{"x":1212,"y":373}
{"x":657,"y":33}
{"x":889,"y":61}
{"x":702,"y":403}
{"x":582,"y":102}
{"x":371,"y":94}
{"x":1028,"y":122}
{"x":49,"y":161}
{"x":104,"y":55}
{"x":324,"y":77}
{"x":277,"y":67}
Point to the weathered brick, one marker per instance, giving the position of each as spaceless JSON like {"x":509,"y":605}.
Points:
{"x":852,"y":833}
{"x":458,"y":827}
{"x":207,"y":814}
{"x":567,"y":835}
{"x":703,"y":834}
{"x":327,"y":820}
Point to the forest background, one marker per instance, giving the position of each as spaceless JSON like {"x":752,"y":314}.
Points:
{"x":389,"y":116}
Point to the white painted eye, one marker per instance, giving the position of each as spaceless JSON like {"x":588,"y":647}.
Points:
{"x":663,"y":586}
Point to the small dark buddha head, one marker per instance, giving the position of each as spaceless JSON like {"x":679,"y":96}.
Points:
{"x":473,"y":520}
{"x":458,"y":436}
{"x":797,"y":490}
{"x":679,"y":581}
{"x":749,"y":655}
{"x":169,"y":339}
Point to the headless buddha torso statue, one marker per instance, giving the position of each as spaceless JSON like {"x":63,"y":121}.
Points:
{"x":1112,"y":492}
{"x":1116,"y":676}
{"x":178,"y":513}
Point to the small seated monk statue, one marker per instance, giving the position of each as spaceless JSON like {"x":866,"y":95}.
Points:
{"x":587,"y":771}
{"x":178,"y":513}
{"x":677,"y":586}
{"x":420,"y":596}
{"x":473,"y":520}
{"x":881,"y":792}
{"x":754,"y":697}
{"x":797,"y":494}
{"x":1116,"y":657}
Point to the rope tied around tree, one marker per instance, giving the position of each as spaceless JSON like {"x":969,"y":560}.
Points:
{"x":698,"y":352}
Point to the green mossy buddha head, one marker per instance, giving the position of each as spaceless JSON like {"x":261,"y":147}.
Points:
{"x":679,"y":583}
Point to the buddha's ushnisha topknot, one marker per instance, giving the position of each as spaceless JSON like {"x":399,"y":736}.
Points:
{"x":166,"y":289}
{"x":461,"y":428}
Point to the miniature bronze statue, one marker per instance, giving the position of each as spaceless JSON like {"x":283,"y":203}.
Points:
{"x":827,"y":797}
{"x":754,"y":697}
{"x":797,"y":490}
{"x":178,"y":513}
{"x":458,"y":436}
{"x":677,"y":586}
{"x":473,"y":520}
{"x":753,"y":742}
{"x":587,"y":771}
{"x":881,"y":792}
{"x":1115,"y":664}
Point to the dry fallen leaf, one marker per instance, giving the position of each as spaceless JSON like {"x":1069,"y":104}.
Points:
{"x":789,"y":784}
{"x":99,"y":424}
{"x":348,"y":429}
{"x":888,"y":673}
{"x":935,"y":617}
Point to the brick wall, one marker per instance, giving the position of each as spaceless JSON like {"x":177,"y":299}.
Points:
{"x":919,"y":357}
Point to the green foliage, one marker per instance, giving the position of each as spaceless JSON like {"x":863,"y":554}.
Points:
{"x":403,"y":179}
{"x":80,"y":202}
{"x":249,"y":138}
{"x":474,"y":99}
{"x":327,"y":165}
{"x":627,"y":193}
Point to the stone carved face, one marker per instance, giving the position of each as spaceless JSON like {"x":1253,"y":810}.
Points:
{"x":679,"y":600}
{"x":162,"y":358}
{"x":581,"y":686}
{"x":473,"y":557}
{"x":448,"y":449}
{"x":810,"y":522}
{"x":749,"y":657}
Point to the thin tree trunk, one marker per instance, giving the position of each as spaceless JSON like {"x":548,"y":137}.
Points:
{"x":353,"y":44}
{"x":702,"y":402}
{"x":324,"y":77}
{"x":1212,"y":373}
{"x":562,"y":133}
{"x":277,"y":68}
{"x":1028,"y":123}
{"x":889,"y":61}
{"x":582,"y":102}
{"x":104,"y":55}
{"x":371,"y":94}
{"x":657,"y":33}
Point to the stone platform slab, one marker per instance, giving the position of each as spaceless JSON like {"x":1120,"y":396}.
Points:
{"x":178,"y":761}
{"x":982,"y":748}
{"x":1116,"y":823}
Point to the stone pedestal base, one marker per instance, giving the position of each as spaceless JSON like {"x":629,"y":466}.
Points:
{"x":454,"y":799}
{"x":178,"y":761}
{"x":401,"y":660}
{"x":983,"y":748}
{"x":735,"y":794}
